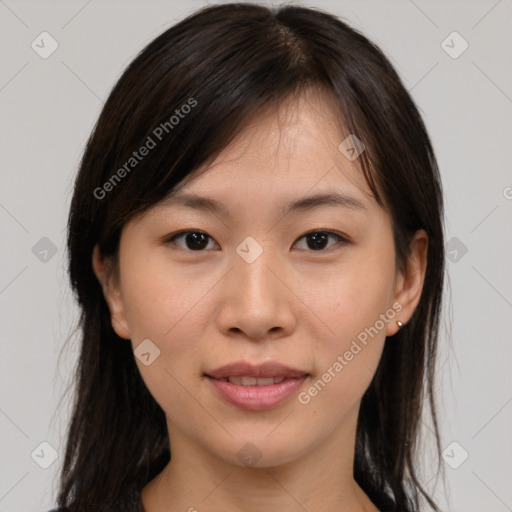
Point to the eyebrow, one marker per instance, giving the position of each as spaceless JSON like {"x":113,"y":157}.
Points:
{"x":332,"y":199}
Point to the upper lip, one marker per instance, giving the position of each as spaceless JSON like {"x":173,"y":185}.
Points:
{"x":269,"y":369}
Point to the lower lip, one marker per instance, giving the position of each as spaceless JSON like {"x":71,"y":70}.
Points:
{"x":257,"y":398}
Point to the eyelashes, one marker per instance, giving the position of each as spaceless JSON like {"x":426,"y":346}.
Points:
{"x":199,"y":242}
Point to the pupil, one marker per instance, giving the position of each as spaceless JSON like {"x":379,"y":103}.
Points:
{"x":318,"y":235}
{"x":197,"y":243}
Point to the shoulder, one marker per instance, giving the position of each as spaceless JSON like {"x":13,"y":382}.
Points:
{"x":128,"y":501}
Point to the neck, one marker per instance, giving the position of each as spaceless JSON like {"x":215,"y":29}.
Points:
{"x":320,"y":479}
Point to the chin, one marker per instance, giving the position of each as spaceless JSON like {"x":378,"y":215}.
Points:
{"x":260,"y":451}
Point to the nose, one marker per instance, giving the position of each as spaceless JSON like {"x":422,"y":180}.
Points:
{"x":256,"y":300}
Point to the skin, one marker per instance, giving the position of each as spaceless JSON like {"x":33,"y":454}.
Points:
{"x":294,"y":304}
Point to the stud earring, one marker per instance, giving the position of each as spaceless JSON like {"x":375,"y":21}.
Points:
{"x":400,"y":324}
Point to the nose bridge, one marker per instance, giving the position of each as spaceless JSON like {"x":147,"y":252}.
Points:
{"x":256,"y":300}
{"x":252,"y":267}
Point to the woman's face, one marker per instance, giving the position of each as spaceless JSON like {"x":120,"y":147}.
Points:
{"x":311,"y":287}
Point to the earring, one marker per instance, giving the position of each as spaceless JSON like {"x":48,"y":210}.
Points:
{"x":400,"y":324}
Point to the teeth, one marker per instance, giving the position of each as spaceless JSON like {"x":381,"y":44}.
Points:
{"x":254,"y":381}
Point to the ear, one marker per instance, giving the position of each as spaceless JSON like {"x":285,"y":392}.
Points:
{"x":409,"y":283}
{"x":103,"y":270}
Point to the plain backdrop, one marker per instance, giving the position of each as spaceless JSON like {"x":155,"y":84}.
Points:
{"x":48,"y":109}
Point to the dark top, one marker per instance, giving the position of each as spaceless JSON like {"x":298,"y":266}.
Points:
{"x":130,"y":501}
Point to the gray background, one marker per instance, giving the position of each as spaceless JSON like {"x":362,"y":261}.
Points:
{"x":48,"y":108}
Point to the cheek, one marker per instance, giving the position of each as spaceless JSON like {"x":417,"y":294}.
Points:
{"x":167,"y":309}
{"x":353,"y":309}
{"x":158,"y":300}
{"x":158,"y":307}
{"x":349,"y":299}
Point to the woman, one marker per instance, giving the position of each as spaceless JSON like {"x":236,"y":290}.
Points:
{"x":256,"y":245}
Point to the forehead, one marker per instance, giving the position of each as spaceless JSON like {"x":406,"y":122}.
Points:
{"x":294,"y":149}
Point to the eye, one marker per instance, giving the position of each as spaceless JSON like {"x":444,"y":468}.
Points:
{"x":198,"y":240}
{"x":194,"y":240}
{"x":316,"y":240}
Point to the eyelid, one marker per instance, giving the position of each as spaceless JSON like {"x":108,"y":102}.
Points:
{"x":170,"y":239}
{"x":341,"y":238}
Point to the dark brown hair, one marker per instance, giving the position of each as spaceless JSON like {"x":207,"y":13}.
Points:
{"x":229,"y":62}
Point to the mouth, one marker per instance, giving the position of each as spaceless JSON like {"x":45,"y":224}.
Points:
{"x":256,"y":388}
{"x":246,"y":380}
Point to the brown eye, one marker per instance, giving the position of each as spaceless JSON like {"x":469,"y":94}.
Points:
{"x":318,"y":240}
{"x":197,"y":241}
{"x":194,"y":240}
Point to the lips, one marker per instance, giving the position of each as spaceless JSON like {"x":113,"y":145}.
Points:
{"x":256,"y":388}
{"x":246,"y":380}
{"x":262,"y":371}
